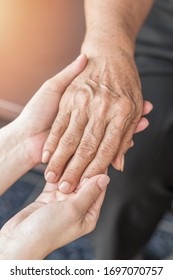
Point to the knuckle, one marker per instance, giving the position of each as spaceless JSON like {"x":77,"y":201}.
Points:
{"x":127,"y":105}
{"x":57,"y":161}
{"x":86,"y":150}
{"x":69,"y":142}
{"x":59,"y":121}
{"x":71,"y":174}
{"x":79,"y":119}
{"x":82,"y":96}
{"x":98,"y":166}
{"x":126,"y":112}
{"x":107,"y":150}
{"x":102,"y":161}
{"x":51,"y":142}
{"x":54,"y":163}
{"x":103,"y":107}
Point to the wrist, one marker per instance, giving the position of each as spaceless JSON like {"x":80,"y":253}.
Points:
{"x":5,"y":242}
{"x":31,"y":153}
{"x":21,"y":144}
{"x":14,"y":159}
{"x":101,"y":42}
{"x":17,"y":248}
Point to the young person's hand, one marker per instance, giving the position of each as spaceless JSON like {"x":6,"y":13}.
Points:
{"x":23,"y":139}
{"x":36,"y":119}
{"x":53,"y":220}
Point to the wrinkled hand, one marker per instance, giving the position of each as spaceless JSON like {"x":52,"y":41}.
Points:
{"x":98,"y":115}
{"x":38,"y":115}
{"x":53,"y":220}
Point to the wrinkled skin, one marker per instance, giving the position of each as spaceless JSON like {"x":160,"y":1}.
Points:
{"x":98,"y":115}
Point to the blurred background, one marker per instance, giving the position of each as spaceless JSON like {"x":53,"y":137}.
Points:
{"x":38,"y":38}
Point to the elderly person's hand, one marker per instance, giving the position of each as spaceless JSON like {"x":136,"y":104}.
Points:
{"x":98,"y":115}
{"x":53,"y":220}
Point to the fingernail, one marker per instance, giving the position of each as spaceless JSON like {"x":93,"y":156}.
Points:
{"x":118,"y":164}
{"x":132,"y":144}
{"x":64,"y":187}
{"x":103,"y":182}
{"x":45,"y":157}
{"x":122,"y":163}
{"x":50,"y":177}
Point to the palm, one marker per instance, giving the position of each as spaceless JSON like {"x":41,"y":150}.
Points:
{"x":53,"y":220}
{"x":49,"y":195}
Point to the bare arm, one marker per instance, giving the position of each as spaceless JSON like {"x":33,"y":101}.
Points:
{"x":14,"y":161}
{"x":114,"y":22}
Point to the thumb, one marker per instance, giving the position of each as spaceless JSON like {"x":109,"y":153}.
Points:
{"x":62,"y":80}
{"x":90,"y":191}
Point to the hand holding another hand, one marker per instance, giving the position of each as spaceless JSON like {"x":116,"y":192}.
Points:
{"x":53,"y":220}
{"x":36,"y":119}
{"x":98,"y":115}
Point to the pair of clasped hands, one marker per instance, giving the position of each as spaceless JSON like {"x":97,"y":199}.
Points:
{"x":78,"y":124}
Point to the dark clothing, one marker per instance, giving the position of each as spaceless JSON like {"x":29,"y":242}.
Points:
{"x":155,"y":39}
{"x":137,"y":198}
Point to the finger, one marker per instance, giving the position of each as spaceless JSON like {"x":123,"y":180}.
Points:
{"x":90,"y":191}
{"x":49,"y":94}
{"x":50,"y":187}
{"x":142,"y":125}
{"x":62,"y":80}
{"x":90,"y":218}
{"x":118,"y":162}
{"x":126,"y":143}
{"x":147,"y":108}
{"x":105,"y":153}
{"x":59,"y":83}
{"x":58,"y":128}
{"x":109,"y":149}
{"x":84,"y":154}
{"x":67,"y":145}
{"x":92,"y":215}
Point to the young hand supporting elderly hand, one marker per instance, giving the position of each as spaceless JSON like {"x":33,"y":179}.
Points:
{"x":34,"y":232}
{"x":53,"y":219}
{"x":22,"y":140}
